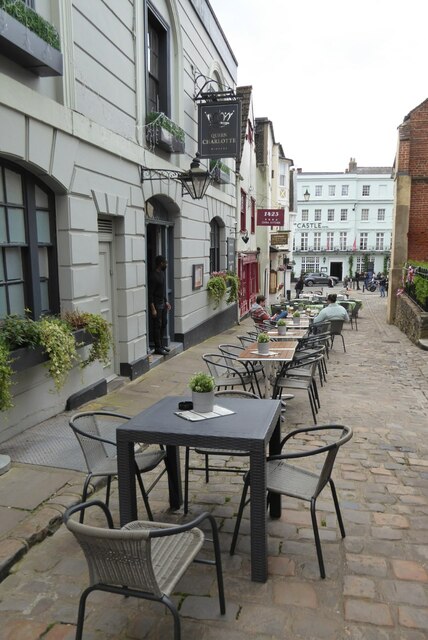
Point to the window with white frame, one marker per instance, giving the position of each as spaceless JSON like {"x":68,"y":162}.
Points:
{"x":304,"y":241}
{"x":305,"y":215}
{"x":380,"y":241}
{"x":310,"y":264}
{"x":331,"y":190}
{"x":360,"y":264}
{"x":330,"y":215}
{"x":330,"y":240}
{"x":364,"y":215}
{"x":381,"y":214}
{"x":363,"y":241}
{"x":343,"y":238}
{"x":366,"y":190}
{"x":317,"y":215}
{"x":157,"y":62}
{"x":345,"y":189}
{"x":344,"y":215}
{"x":318,"y":190}
{"x":317,"y":241}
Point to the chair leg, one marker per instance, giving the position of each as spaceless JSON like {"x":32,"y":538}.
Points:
{"x":171,"y":606}
{"x":315,"y":392}
{"x":313,"y":406}
{"x":239,"y":516}
{"x":207,"y":471}
{"x":186,"y":480}
{"x":143,"y":493}
{"x":317,"y":539}
{"x":85,"y":495}
{"x":343,"y":342}
{"x":336,"y":505}
{"x":108,"y":490}
{"x":81,"y":613}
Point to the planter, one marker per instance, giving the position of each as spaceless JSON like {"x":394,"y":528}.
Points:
{"x":263,"y":348}
{"x":166,"y":135}
{"x":25,"y":358}
{"x":220,"y":176}
{"x":296,"y":320}
{"x":203,"y":402}
{"x":27,"y":49}
{"x":282,"y":330}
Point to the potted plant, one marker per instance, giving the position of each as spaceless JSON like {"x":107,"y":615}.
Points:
{"x":281,"y":326}
{"x":263,"y":341}
{"x":296,"y":317}
{"x":162,"y":132}
{"x":202,"y":386}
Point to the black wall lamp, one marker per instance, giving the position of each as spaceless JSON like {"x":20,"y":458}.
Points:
{"x":194,"y":182}
{"x":244,"y":235}
{"x":306,"y":195}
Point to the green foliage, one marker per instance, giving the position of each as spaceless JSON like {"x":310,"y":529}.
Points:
{"x":232,"y":281}
{"x":366,"y":261}
{"x":217,"y":288}
{"x":5,"y":378}
{"x":98,"y":328}
{"x":59,"y":344}
{"x":417,"y":286}
{"x":221,"y":282}
{"x":296,"y":314}
{"x":33,"y":21}
{"x":263,"y":337}
{"x":351,"y":266}
{"x":201,"y":382}
{"x":281,"y":323}
{"x":18,"y":331}
{"x":160,"y":119}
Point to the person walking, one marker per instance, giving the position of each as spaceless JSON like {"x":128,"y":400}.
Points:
{"x":299,"y":286}
{"x":357,"y":280}
{"x":158,"y":304}
{"x":382,"y":286}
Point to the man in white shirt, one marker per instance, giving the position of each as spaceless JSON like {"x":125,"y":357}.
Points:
{"x":334,"y":311}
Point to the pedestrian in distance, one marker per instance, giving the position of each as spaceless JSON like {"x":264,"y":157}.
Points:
{"x":357,"y":280}
{"x":382,"y":286}
{"x":299,"y":286}
{"x":158,"y":304}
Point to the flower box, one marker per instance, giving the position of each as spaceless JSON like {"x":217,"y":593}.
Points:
{"x":163,"y":133}
{"x":220,"y":172}
{"x":25,"y":358}
{"x":27,"y":49}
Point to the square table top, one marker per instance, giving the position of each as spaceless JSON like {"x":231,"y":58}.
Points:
{"x":291,"y":334}
{"x":281,"y":351}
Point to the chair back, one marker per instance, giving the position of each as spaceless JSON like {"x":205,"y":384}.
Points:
{"x":246,"y":340}
{"x":231,"y":350}
{"x":320,"y":327}
{"x":95,"y":432}
{"x":336,"y":327}
{"x":231,"y":393}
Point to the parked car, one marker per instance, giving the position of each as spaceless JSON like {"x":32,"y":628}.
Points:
{"x":320,"y":278}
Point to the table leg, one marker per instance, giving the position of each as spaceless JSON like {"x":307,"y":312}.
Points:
{"x":126,"y":481}
{"x":274,"y":449}
{"x":258,"y":516}
{"x":174,"y":476}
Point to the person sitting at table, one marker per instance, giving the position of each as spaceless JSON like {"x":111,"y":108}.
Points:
{"x":259,"y":313}
{"x":333,"y":311}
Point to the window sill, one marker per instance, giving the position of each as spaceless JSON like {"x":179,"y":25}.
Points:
{"x":24,"y":47}
{"x":25,"y":358}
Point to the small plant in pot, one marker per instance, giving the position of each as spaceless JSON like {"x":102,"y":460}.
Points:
{"x":202,"y":386}
{"x":296,"y":317}
{"x":263,"y":341}
{"x":281,"y":326}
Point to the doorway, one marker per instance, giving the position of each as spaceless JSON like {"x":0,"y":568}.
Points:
{"x":336,"y":269}
{"x":160,"y":242}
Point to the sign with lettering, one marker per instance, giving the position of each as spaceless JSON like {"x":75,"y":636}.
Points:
{"x":219,"y":129}
{"x":270,"y":217}
{"x":279,"y":238}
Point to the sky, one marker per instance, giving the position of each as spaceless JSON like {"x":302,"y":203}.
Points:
{"x":335,"y":77}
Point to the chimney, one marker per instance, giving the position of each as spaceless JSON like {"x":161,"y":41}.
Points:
{"x":299,"y":169}
{"x":352,"y":165}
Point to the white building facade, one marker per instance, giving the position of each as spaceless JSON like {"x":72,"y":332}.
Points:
{"x":344,"y":221}
{"x":75,"y":133}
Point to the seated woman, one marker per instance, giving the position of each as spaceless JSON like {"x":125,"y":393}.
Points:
{"x":260,"y":315}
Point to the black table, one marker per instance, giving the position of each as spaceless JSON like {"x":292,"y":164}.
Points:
{"x":254,"y":425}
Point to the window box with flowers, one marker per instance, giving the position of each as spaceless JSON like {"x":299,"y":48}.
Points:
{"x":221,"y":284}
{"x":164,"y":133}
{"x":220,"y":172}
{"x":29,"y":40}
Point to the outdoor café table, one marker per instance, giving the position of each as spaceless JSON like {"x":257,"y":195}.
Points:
{"x":279,"y":352}
{"x":303,"y":322}
{"x":291,"y":334}
{"x":252,"y":427}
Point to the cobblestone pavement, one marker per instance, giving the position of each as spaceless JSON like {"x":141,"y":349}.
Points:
{"x":377,"y":577}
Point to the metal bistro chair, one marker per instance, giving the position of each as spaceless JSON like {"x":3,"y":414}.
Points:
{"x":295,"y":382}
{"x":207,"y":451}
{"x":254,"y":368}
{"x":143,"y":559}
{"x":99,"y":451}
{"x":225,"y":375}
{"x":336,"y":327}
{"x":298,"y":482}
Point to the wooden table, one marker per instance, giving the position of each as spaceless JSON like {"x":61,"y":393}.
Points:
{"x":254,"y":425}
{"x":291,"y":334}
{"x":281,"y":351}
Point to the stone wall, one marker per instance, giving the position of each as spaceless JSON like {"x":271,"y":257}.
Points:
{"x":410,"y":319}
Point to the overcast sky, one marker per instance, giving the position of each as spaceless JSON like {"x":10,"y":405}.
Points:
{"x":335,"y":77}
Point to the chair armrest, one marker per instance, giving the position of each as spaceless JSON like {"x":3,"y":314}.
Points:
{"x":347,"y":434}
{"x":85,"y":505}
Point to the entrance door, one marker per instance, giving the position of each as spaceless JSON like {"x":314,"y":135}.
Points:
{"x":106,"y":296}
{"x":336,"y":269}
{"x":160,"y":242}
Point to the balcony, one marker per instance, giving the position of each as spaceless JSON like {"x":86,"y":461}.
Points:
{"x":29,"y":40}
{"x":163,"y":133}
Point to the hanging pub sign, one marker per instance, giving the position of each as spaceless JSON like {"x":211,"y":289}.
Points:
{"x":270,"y":217}
{"x":219,"y":129}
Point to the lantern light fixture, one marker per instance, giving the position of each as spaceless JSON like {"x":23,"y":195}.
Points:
{"x":194,"y":182}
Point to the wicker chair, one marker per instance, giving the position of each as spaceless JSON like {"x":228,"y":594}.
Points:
{"x":99,"y":451}
{"x":290,"y":480}
{"x":148,"y":557}
{"x":336,"y":330}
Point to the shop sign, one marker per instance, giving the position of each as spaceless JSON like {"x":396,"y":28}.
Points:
{"x":279,"y":238}
{"x":270,"y":217}
{"x":219,"y":129}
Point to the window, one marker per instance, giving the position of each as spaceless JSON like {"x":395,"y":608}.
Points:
{"x":317,"y":241}
{"x":330,"y":240}
{"x":344,"y":214}
{"x":345,"y":189}
{"x":380,"y":240}
{"x":363,"y":241}
{"x":310,"y":264}
{"x":282,"y":180}
{"x":317,"y":215}
{"x":253,"y":215}
{"x":243,"y":210}
{"x":28,"y":267}
{"x":364,"y":214}
{"x":318,"y":190}
{"x":304,"y":242}
{"x":214,"y":246}
{"x":360,"y":264}
{"x":305,"y":215}
{"x":330,"y":215}
{"x":343,"y":240}
{"x":331,"y":190}
{"x":366,"y":190}
{"x":29,"y":3}
{"x":157,"y":65}
{"x":381,"y":214}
